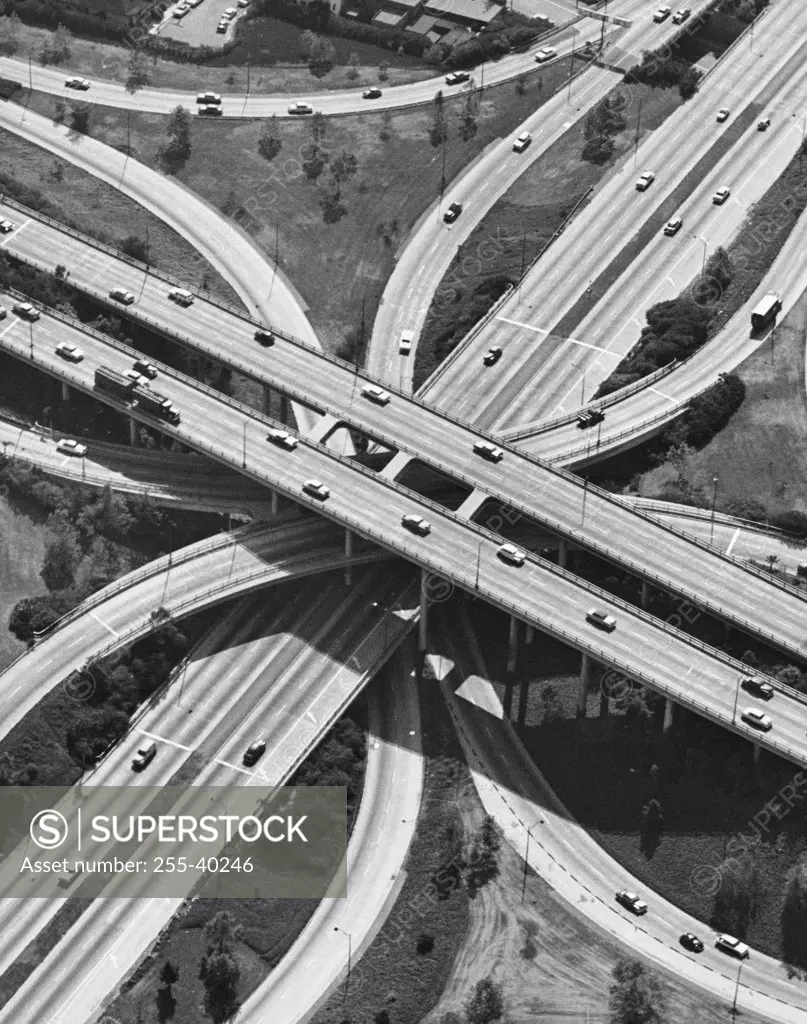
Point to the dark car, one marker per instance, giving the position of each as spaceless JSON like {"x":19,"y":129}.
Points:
{"x":452,"y":213}
{"x":691,"y":942}
{"x":254,"y":752}
{"x":590,"y":418}
{"x":372,"y":94}
{"x":145,"y":756}
{"x":266,"y":338}
{"x":493,"y":355}
{"x":455,"y":77}
{"x":144,"y":367}
{"x":758,"y":687}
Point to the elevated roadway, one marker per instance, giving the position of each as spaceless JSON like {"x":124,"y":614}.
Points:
{"x":373,"y":504}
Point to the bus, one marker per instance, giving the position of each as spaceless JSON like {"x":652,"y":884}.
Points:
{"x":765,"y":311}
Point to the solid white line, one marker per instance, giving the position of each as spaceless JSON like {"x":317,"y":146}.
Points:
{"x":100,"y":623}
{"x":164,"y":739}
{"x":662,"y":395}
{"x":235,"y":767}
{"x":733,"y":540}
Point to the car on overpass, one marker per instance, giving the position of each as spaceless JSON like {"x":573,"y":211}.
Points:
{"x":145,"y":755}
{"x":26,"y":311}
{"x":757,"y":719}
{"x":265,"y":338}
{"x":644,"y":181}
{"x":691,"y":942}
{"x":493,"y":355}
{"x":451,"y":214}
{"x":82,"y":84}
{"x":728,"y":944}
{"x":630,"y":901}
{"x":72,"y":353}
{"x":181,"y":296}
{"x":282,"y":438}
{"x":316,"y":489}
{"x":67,"y":446}
{"x":758,"y":687}
{"x":545,"y":54}
{"x":374,"y":393}
{"x":522,"y":141}
{"x":597,"y":617}
{"x":406,"y":342}
{"x":6,"y":226}
{"x":488,"y":451}
{"x":662,"y":14}
{"x":122,"y":295}
{"x":456,"y":77}
{"x":590,"y":418}
{"x":3,"y":312}
{"x":512,"y":555}
{"x":146,"y":368}
{"x":254,"y":752}
{"x":681,"y":15}
{"x":417,"y":524}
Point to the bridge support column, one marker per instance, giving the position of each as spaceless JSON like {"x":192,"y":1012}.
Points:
{"x":645,"y":599}
{"x":423,"y":624}
{"x":523,"y":694}
{"x":507,"y":702}
{"x":267,"y":399}
{"x":275,"y":502}
{"x":132,"y":432}
{"x":563,"y":553}
{"x":727,"y":631}
{"x":65,"y":391}
{"x":668,"y":714}
{"x":529,"y":634}
{"x":757,"y":752}
{"x":585,"y":676}
{"x":284,"y":409}
{"x":512,"y":644}
{"x":348,"y":554}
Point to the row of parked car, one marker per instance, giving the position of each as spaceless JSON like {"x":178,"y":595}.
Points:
{"x":725,"y":943}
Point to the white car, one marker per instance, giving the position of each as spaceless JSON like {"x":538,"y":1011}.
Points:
{"x":673,"y":226}
{"x":644,"y":181}
{"x":511,"y":554}
{"x":545,"y":54}
{"x":681,"y":15}
{"x":631,"y":902}
{"x":601,"y":620}
{"x":488,"y":451}
{"x":26,"y":310}
{"x":522,"y":141}
{"x":72,"y":353}
{"x":757,"y":719}
{"x":662,"y":14}
{"x":135,"y":377}
{"x":69,"y":447}
{"x":181,"y":296}
{"x":405,"y":344}
{"x":282,"y":438}
{"x":301,"y":108}
{"x":721,"y":196}
{"x":3,"y":312}
{"x":728,"y":944}
{"x":376,"y":394}
{"x":122,"y":295}
{"x":317,"y":489}
{"x":208,"y":97}
{"x":6,"y":226}
{"x":417,"y":524}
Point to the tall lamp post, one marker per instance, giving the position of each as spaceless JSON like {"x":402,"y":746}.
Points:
{"x":527,"y":857}
{"x":336,"y":928}
{"x":714,"y":502}
{"x":736,"y":991}
{"x":705,"y":245}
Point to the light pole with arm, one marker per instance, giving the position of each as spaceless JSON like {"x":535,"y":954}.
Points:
{"x":714,"y":503}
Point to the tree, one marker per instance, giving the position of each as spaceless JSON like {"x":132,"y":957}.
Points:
{"x":137,"y":71}
{"x":307,"y":40}
{"x":736,"y":899}
{"x":342,"y":169}
{"x":438,"y":132}
{"x":318,"y":125}
{"x":169,"y":975}
{"x":652,"y":825}
{"x":221,"y":932}
{"x":598,"y":149}
{"x":482,"y":861}
{"x":62,"y":556}
{"x":636,"y":996}
{"x":220,"y":975}
{"x":9,"y":33}
{"x":321,"y":57}
{"x":353,"y":66}
{"x":688,"y":83}
{"x":486,"y":1004}
{"x":790,"y":675}
{"x":551,"y":707}
{"x":383,"y":71}
{"x":135,"y":246}
{"x":794,"y":917}
{"x":332,"y":210}
{"x":178,"y":148}
{"x":269,"y":144}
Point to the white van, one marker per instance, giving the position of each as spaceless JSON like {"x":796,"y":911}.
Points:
{"x":406,"y":342}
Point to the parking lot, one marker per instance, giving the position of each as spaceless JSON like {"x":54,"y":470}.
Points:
{"x":198,"y":27}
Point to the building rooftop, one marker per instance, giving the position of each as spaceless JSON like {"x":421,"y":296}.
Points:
{"x":483,"y":11}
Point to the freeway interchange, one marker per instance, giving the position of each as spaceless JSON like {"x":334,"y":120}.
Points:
{"x":372,"y":506}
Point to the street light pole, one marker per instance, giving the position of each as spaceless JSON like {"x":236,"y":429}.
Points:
{"x":736,"y":990}
{"x":336,"y":928}
{"x":736,"y":699}
{"x":714,"y":503}
{"x":478,"y":559}
{"x":244,"y":459}
{"x":527,"y":857}
{"x":571,"y":65}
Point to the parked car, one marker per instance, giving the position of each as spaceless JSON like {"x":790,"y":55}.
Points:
{"x":721,"y":196}
{"x":67,"y":446}
{"x":181,"y":296}
{"x":265,"y":338}
{"x":222,"y":26}
{"x":644,"y":181}
{"x":373,"y":93}
{"x":451,"y":214}
{"x":122,"y":296}
{"x":723,"y":114}
{"x":511,"y":554}
{"x":662,"y":14}
{"x":147,"y":369}
{"x":728,"y":944}
{"x":488,"y":451}
{"x":630,"y":901}
{"x":208,"y":97}
{"x":673,"y":226}
{"x":376,"y":394}
{"x":590,"y":418}
{"x":545,"y":54}
{"x":757,"y":719}
{"x":254,"y":752}
{"x":3,"y":312}
{"x":282,"y":438}
{"x":316,"y":489}
{"x":145,"y":756}
{"x":681,"y":15}
{"x":758,"y":687}
{"x":691,"y":942}
{"x":72,"y":353}
{"x":82,"y":84}
{"x":301,"y":108}
{"x":601,"y":620}
{"x":455,"y":77}
{"x":493,"y":355}
{"x":26,"y":311}
{"x":417,"y":524}
{"x":6,"y":226}
{"x":522,"y":141}
{"x":209,"y":110}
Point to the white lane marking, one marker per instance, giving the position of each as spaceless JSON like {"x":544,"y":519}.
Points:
{"x":733,"y":540}
{"x":235,"y":767}
{"x":100,"y":623}
{"x":164,"y":739}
